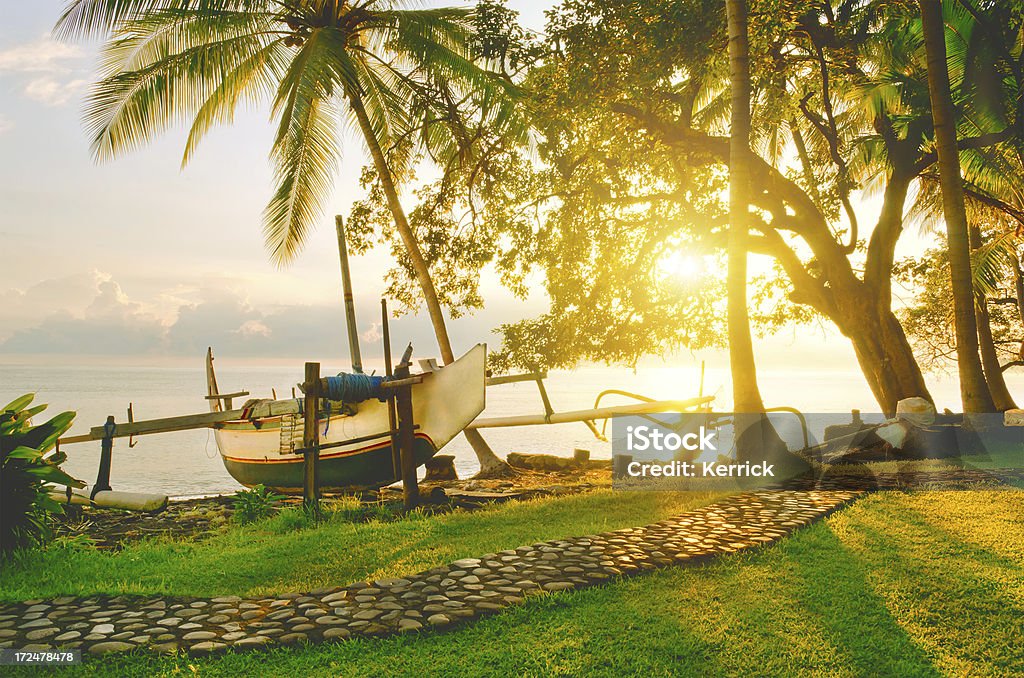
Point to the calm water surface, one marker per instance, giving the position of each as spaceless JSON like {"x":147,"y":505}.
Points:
{"x":186,"y":463}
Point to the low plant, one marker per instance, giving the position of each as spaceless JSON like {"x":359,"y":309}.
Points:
{"x":29,"y":467}
{"x":291,"y":520}
{"x":346,"y":509}
{"x":351,"y":509}
{"x":73,"y":542}
{"x":255,"y":504}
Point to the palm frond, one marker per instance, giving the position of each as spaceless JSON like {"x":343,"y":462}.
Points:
{"x":989,"y":262}
{"x":255,"y":79}
{"x":101,"y":18}
{"x":306,"y":150}
{"x":129,"y":107}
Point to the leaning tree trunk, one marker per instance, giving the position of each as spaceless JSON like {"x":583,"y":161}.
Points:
{"x":973,"y":387}
{"x":883,"y":352}
{"x":1001,"y":396}
{"x":490,"y":465}
{"x":989,"y":358}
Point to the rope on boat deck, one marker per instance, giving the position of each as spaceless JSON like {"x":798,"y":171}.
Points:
{"x":353,"y":388}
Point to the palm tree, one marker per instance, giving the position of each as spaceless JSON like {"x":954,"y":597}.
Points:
{"x":974,"y":390}
{"x":394,"y":73}
{"x":746,"y":395}
{"x":756,"y":438}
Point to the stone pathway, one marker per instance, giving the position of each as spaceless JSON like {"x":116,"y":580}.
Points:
{"x":436,"y":598}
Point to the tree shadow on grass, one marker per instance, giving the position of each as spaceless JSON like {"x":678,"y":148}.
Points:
{"x":962,"y":597}
{"x":837,"y":592}
{"x":804,"y":607}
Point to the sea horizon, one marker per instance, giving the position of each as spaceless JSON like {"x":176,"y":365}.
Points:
{"x":187,"y":463}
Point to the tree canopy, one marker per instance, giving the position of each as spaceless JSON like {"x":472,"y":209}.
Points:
{"x":629,"y":105}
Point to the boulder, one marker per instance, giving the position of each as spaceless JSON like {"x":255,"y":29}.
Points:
{"x":916,"y":411}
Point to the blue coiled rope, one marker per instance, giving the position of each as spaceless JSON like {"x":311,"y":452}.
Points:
{"x":354,"y":388}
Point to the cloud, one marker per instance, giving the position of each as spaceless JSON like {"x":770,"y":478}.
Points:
{"x":55,"y":69}
{"x":90,"y":314}
{"x":51,"y":92}
{"x":70,"y":294}
{"x":5,"y":125}
{"x":44,"y":55}
{"x":111,"y":325}
{"x":253,"y":328}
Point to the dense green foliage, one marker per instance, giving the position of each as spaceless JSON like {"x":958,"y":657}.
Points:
{"x":624,"y":179}
{"x":27,"y":470}
{"x":928,"y":320}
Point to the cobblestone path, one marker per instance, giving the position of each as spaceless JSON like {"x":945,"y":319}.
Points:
{"x":436,"y":598}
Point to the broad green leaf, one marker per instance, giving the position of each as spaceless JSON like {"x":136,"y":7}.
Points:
{"x":18,"y":404}
{"x":28,"y":453}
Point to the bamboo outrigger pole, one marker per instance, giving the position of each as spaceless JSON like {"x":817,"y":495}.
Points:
{"x":350,"y":306}
{"x":653,"y":407}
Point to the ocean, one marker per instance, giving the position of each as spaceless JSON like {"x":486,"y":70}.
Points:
{"x":187,"y":463}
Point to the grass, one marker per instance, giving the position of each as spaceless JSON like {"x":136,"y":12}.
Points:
{"x":285,"y":554}
{"x":919,"y":584}
{"x":902,"y":584}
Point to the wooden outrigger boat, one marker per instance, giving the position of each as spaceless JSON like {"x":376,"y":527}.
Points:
{"x":355,"y":437}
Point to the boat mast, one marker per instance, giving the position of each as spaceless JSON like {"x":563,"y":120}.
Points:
{"x":350,"y":308}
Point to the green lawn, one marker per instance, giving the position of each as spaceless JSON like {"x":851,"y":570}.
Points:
{"x":919,"y":584}
{"x":269,"y":558}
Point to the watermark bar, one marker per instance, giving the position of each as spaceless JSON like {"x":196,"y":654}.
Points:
{"x":730,"y":450}
{"x":15,"y":657}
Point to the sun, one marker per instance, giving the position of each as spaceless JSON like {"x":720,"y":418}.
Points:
{"x":681,"y":266}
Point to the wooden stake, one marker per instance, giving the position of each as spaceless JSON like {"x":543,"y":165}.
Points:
{"x":407,"y":441}
{"x":311,"y":442}
{"x":350,"y":306}
{"x":396,"y":462}
{"x":106,"y":452}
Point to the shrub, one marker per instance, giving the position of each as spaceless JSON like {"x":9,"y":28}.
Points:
{"x":255,"y":504}
{"x":27,"y":471}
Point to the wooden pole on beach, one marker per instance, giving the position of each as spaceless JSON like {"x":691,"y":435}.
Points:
{"x":106,"y":452}
{"x":396,"y":462}
{"x":311,"y":442}
{"x":407,"y":440}
{"x":350,"y":306}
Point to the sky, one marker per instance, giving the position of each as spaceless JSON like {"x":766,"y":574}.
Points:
{"x":138,"y":259}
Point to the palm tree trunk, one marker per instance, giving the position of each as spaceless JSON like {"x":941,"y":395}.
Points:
{"x":755,"y":436}
{"x":997,"y":388}
{"x":973,"y":388}
{"x":1018,"y":288}
{"x":490,"y":465}
{"x":746,"y":395}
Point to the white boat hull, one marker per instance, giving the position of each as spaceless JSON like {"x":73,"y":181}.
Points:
{"x":448,"y":399}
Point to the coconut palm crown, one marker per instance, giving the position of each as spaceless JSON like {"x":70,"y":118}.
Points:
{"x":402,"y":75}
